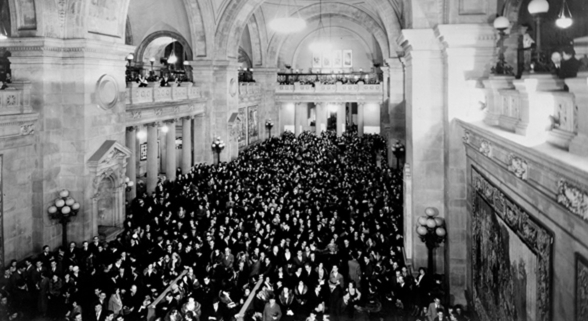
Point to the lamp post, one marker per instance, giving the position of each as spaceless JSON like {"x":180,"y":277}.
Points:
{"x":399,"y":151}
{"x":218,"y":145}
{"x":432,"y":232}
{"x":128,"y":184}
{"x":501,"y":23}
{"x":537,"y":8}
{"x":64,"y":207}
{"x":269,"y":124}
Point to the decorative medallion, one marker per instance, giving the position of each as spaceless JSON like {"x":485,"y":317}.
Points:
{"x":107,"y":94}
{"x":486,"y":148}
{"x":27,"y":129}
{"x":517,"y":166}
{"x":572,"y":198}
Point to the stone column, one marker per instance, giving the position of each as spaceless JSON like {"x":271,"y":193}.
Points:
{"x":579,"y":87}
{"x":152,"y":162}
{"x":320,"y":117}
{"x":360,"y":118}
{"x":340,"y":119}
{"x":186,"y":144}
{"x":469,"y":52}
{"x":131,"y":143}
{"x":424,"y":130}
{"x":396,"y":105}
{"x":170,"y":151}
{"x":201,"y":140}
{"x":300,"y":117}
{"x":268,"y":109}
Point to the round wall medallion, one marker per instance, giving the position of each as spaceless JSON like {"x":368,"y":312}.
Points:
{"x":233,"y":87}
{"x":106,"y":92}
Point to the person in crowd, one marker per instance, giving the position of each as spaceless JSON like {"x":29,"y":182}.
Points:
{"x":569,"y":65}
{"x":317,"y":224}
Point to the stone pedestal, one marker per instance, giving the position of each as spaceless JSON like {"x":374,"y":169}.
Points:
{"x":579,"y":87}
{"x":493,"y":86}
{"x":534,"y":113}
{"x":267,"y":79}
{"x":425,"y":132}
{"x":226,"y":101}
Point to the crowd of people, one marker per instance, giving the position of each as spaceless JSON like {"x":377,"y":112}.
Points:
{"x":313,"y":221}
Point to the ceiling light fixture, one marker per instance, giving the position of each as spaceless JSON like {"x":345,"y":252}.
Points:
{"x":564,"y":21}
{"x":172,"y":59}
{"x":286,"y":23}
{"x":321,"y":43}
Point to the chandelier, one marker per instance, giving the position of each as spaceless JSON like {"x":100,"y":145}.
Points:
{"x":321,"y":44}
{"x":287,"y":24}
{"x":564,"y":21}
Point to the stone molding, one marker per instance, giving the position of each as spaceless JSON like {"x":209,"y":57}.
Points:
{"x":18,"y":125}
{"x":581,"y":288}
{"x":142,"y":115}
{"x":466,"y":35}
{"x":327,"y":98}
{"x":558,"y":183}
{"x":31,"y":47}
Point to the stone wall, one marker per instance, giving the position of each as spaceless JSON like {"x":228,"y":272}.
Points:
{"x":551,"y":186}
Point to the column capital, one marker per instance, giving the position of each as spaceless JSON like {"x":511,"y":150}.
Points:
{"x":131,"y":128}
{"x":395,"y":63}
{"x":419,"y":40}
{"x":466,"y":36}
{"x":169,"y":121}
{"x":154,"y":124}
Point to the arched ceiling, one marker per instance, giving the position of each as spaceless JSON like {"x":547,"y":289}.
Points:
{"x":382,"y":18}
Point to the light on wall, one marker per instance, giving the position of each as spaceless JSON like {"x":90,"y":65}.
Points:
{"x":564,"y":21}
{"x":164,"y":129}
{"x":141,"y":134}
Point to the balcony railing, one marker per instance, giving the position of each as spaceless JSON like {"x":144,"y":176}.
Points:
{"x":331,"y":88}
{"x":247,"y":89}
{"x":538,"y":105}
{"x":156,"y":94}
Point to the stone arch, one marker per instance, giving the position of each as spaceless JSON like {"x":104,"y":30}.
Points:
{"x":237,"y":13}
{"x":199,"y":16}
{"x":360,"y":18}
{"x":295,"y":47}
{"x":141,"y":49}
{"x":256,"y":42}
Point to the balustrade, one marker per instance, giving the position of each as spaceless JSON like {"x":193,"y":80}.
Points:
{"x":330,"y":88}
{"x":152,"y":94}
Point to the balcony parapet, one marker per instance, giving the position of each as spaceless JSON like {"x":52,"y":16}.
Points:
{"x":155,"y":94}
{"x":318,"y":88}
{"x":16,"y":99}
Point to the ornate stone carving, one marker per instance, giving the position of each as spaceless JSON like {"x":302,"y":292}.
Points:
{"x":517,"y":166}
{"x":581,"y":288}
{"x":572,"y":198}
{"x":485,"y":148}
{"x":136,"y":114}
{"x":158,"y":112}
{"x":466,"y":137}
{"x":530,"y":231}
{"x":27,"y":129}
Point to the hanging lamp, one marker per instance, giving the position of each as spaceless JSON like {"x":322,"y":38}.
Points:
{"x":172,"y":59}
{"x":320,"y":45}
{"x":288,"y":24}
{"x":564,"y":21}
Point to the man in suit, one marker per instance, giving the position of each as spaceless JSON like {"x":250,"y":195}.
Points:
{"x":569,"y":64}
{"x":433,"y":308}
{"x":99,"y":314}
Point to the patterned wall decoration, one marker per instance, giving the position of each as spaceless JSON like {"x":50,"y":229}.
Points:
{"x":572,"y":198}
{"x":511,"y":257}
{"x":581,"y":288}
{"x":253,"y":124}
{"x":518,"y":166}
